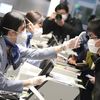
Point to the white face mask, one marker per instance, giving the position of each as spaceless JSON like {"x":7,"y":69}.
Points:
{"x":38,"y":32}
{"x":22,"y":38}
{"x":64,"y":16}
{"x":92,"y":47}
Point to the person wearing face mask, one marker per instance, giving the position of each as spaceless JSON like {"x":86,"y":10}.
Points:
{"x":22,"y":38}
{"x":87,"y":69}
{"x":34,"y":22}
{"x":94,"y":47}
{"x":61,"y":24}
{"x":35,"y":18}
{"x":12,"y":27}
{"x":33,"y":29}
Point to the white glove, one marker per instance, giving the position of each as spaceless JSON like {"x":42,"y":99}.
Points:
{"x":91,"y":78}
{"x":38,"y":80}
{"x":72,"y":43}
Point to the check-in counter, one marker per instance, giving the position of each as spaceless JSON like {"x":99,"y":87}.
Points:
{"x":60,"y":87}
{"x":66,"y":70}
{"x":54,"y":90}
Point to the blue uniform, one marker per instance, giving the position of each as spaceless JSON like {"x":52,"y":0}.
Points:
{"x":16,"y":85}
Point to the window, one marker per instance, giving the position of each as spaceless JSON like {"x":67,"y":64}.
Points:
{"x":5,"y":8}
{"x":89,"y":1}
{"x":98,"y":11}
{"x":83,"y":13}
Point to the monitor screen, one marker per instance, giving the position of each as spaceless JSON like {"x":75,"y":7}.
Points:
{"x":46,"y":66}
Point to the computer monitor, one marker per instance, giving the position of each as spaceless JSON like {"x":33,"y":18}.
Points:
{"x":46,"y":66}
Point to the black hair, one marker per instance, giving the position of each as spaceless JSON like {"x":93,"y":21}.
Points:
{"x":94,"y":26}
{"x":12,"y":20}
{"x":91,"y":17}
{"x":62,"y":6}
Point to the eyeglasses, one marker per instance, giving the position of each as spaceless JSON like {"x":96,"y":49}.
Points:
{"x":11,"y":30}
{"x":21,"y":29}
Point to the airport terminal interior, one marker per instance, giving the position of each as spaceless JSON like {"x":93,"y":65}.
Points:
{"x":49,"y":50}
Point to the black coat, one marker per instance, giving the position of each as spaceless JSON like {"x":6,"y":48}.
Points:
{"x":72,"y":26}
{"x":97,"y":79}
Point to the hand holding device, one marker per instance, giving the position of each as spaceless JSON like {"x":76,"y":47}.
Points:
{"x":89,"y":76}
{"x":71,"y":44}
{"x":38,"y":80}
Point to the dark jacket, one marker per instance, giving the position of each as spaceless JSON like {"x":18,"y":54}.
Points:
{"x":72,"y":27}
{"x":97,"y":79}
